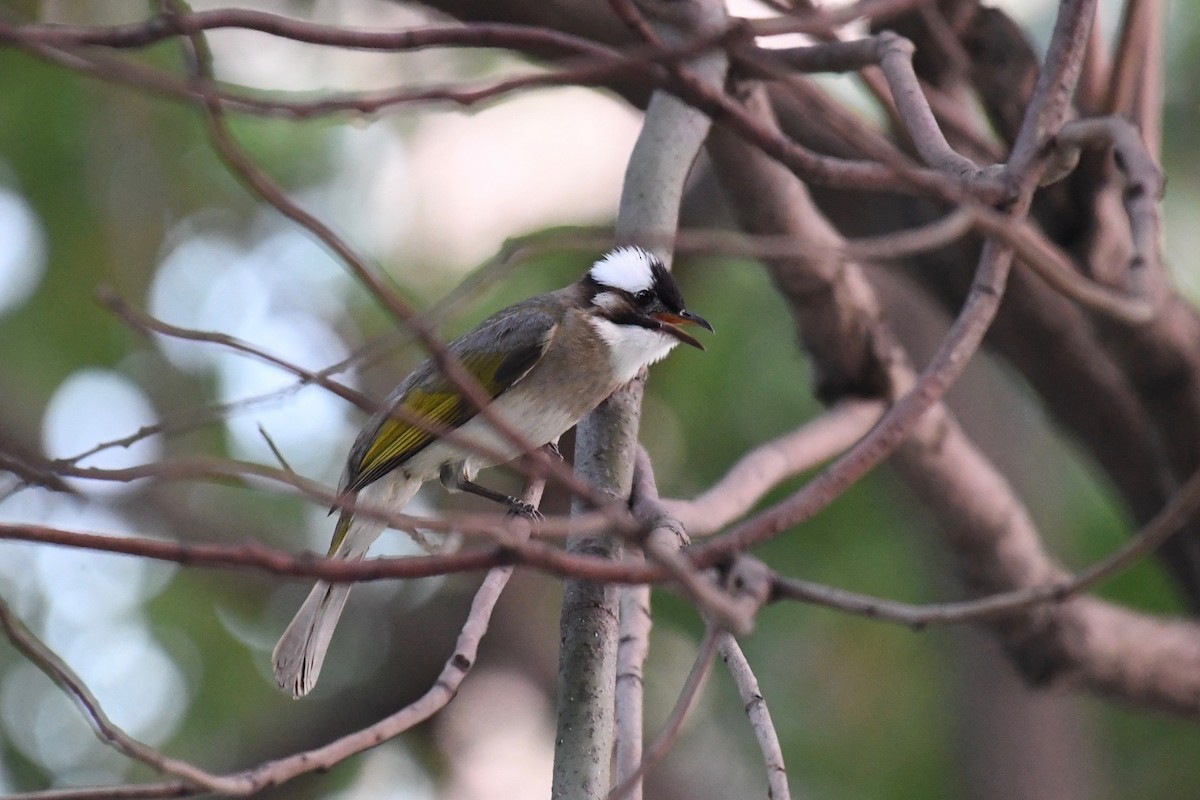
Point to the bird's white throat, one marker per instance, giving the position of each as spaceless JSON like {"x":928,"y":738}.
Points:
{"x":631,"y":347}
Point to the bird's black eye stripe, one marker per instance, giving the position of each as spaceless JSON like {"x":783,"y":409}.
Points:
{"x":645,"y":297}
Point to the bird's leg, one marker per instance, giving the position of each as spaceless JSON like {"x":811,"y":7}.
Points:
{"x":454,"y":480}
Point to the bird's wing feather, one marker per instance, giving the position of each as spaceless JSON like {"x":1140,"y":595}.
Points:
{"x":498,"y":354}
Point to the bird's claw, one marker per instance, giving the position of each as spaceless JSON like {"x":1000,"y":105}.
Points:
{"x":519,"y":508}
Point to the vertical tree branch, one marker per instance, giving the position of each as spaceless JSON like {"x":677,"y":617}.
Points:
{"x":606,"y":441}
{"x":632,"y":647}
{"x":588,"y":658}
{"x":688,"y":695}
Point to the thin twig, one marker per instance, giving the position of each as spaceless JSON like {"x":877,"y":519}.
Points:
{"x":666,"y":538}
{"x":1150,"y":538}
{"x":256,"y":556}
{"x":244,"y":168}
{"x":275,"y":451}
{"x":528,"y":38}
{"x":134,"y":791}
{"x":512,"y":253}
{"x":273,"y":773}
{"x":827,"y":18}
{"x":759,"y":715}
{"x":57,"y":670}
{"x":767,"y":465}
{"x":1045,"y":118}
{"x":893,"y":55}
{"x":144,"y":323}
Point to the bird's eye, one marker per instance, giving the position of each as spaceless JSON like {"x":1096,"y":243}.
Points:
{"x":644,"y":298}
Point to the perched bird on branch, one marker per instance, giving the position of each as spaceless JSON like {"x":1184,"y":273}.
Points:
{"x":545,"y":363}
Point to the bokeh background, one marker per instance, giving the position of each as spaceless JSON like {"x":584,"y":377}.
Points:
{"x":106,"y":186}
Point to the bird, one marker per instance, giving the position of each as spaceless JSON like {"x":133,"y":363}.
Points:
{"x":545,"y":362}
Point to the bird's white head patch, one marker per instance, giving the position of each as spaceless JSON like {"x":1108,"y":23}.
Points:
{"x":627,"y":268}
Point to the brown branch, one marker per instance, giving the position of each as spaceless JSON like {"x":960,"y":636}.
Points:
{"x":135,"y":791}
{"x":29,"y":470}
{"x":1137,"y":29}
{"x":1095,"y":78}
{"x":244,"y":168}
{"x":511,"y":253}
{"x":809,"y":165}
{"x":763,"y":468}
{"x":587,"y":63}
{"x":893,"y":55}
{"x":666,"y":538}
{"x":1030,"y":244}
{"x":271,"y":773}
{"x":973,"y":503}
{"x":274,"y":561}
{"x":57,"y":671}
{"x":105,"y":67}
{"x":1146,"y":541}
{"x":1125,"y":394}
{"x":822,"y":20}
{"x":1147,"y":112}
{"x":1051,"y":592}
{"x":1045,"y":118}
{"x":1142,"y":195}
{"x":536,"y":40}
{"x":146,"y":324}
{"x":889,"y":246}
{"x":760,"y":716}
{"x":612,"y":517}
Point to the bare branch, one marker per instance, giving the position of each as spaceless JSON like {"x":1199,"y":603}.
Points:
{"x":633,"y":645}
{"x":57,"y":670}
{"x":533,"y":39}
{"x":692,"y":687}
{"x":893,"y":55}
{"x":1046,"y":117}
{"x":135,"y":791}
{"x":760,"y":716}
{"x":606,"y":440}
{"x":144,"y":323}
{"x":666,"y":539}
{"x":273,"y":773}
{"x":1142,"y":195}
{"x":763,"y":468}
{"x":244,"y":168}
{"x":822,"y":20}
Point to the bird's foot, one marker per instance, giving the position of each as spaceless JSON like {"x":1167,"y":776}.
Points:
{"x":519,"y":508}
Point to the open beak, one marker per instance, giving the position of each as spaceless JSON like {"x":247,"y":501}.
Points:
{"x":669,"y":323}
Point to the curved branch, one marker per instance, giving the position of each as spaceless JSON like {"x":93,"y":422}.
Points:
{"x":271,"y":773}
{"x":763,"y":468}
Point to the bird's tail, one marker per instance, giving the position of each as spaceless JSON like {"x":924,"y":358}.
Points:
{"x":301,"y":650}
